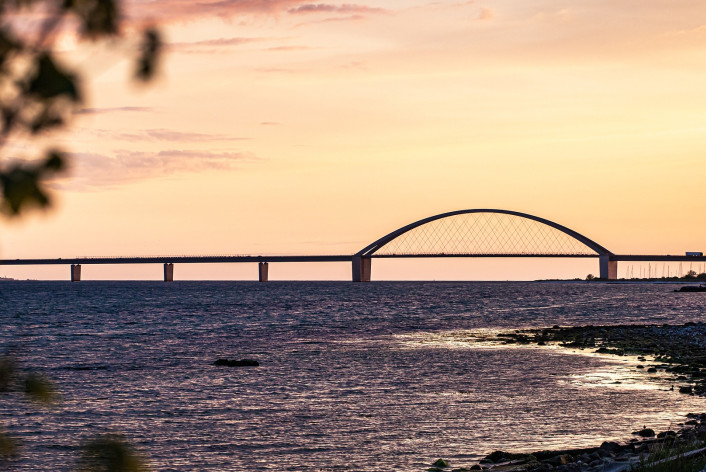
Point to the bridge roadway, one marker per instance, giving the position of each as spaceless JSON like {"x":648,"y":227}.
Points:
{"x":174,"y":259}
{"x":361,"y":265}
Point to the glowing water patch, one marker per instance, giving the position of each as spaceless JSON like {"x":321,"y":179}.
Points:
{"x":616,"y":372}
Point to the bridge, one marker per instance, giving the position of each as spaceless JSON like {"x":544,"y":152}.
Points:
{"x":462,"y":233}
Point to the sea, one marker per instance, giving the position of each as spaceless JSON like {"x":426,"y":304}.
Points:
{"x":381,"y":376}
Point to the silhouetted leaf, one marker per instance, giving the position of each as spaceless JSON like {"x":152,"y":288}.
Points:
{"x":9,"y":114}
{"x":7,"y":371}
{"x":54,"y":162}
{"x":50,"y":81}
{"x":40,"y":389}
{"x":22,"y":184}
{"x":110,"y":453}
{"x":47,"y":119}
{"x":38,"y":92}
{"x":98,"y":17}
{"x":7,"y":46}
{"x":150,"y":50}
{"x":20,"y":187}
{"x":8,"y":447}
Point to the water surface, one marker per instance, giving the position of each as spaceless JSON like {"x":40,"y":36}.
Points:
{"x":378,"y":376}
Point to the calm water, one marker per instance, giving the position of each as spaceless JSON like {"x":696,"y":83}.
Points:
{"x":378,"y":376}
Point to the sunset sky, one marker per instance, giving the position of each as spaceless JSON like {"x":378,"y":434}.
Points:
{"x":292,"y":127}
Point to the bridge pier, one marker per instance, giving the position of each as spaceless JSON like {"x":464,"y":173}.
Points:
{"x":361,"y":268}
{"x":168,"y":272}
{"x":262,"y":271}
{"x":75,"y":272}
{"x":608,"y":268}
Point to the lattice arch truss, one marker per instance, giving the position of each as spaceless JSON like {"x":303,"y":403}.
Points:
{"x":478,"y":233}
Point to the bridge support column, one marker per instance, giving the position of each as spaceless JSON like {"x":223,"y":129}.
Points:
{"x":169,"y":272}
{"x":262,"y":271}
{"x":75,"y":272}
{"x":608,"y":268}
{"x":361,"y":269}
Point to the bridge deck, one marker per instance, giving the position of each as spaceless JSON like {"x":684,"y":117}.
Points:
{"x":412,"y":256}
{"x":175,"y":259}
{"x":655,"y":258}
{"x":325,"y":258}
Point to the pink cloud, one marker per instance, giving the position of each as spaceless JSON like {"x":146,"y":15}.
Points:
{"x":162,"y":11}
{"x":99,"y":171}
{"x":338,"y":18}
{"x":224,"y":45}
{"x":237,"y":41}
{"x":161,"y":134}
{"x":185,"y":10}
{"x":347,"y":9}
{"x":99,"y":111}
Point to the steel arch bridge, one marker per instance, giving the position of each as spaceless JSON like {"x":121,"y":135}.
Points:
{"x":482,"y":233}
{"x":462,"y":233}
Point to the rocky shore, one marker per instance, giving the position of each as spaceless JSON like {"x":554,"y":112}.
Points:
{"x":645,"y":449}
{"x":675,"y":351}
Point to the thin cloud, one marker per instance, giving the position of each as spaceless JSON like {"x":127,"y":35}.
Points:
{"x":341,"y":18}
{"x":698,"y":31}
{"x":161,"y":134}
{"x":225,"y":41}
{"x":94,"y":171}
{"x":347,"y":12}
{"x":290,"y":48}
{"x":345,"y":9}
{"x":100,"y":111}
{"x":170,"y":135}
{"x":208,"y":157}
{"x":224,"y":45}
{"x":187,"y":10}
{"x":210,"y":43}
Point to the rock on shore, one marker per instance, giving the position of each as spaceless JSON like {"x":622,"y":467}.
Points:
{"x":608,"y":457}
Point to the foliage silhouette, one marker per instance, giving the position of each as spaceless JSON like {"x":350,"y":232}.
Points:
{"x":103,"y":453}
{"x":40,"y":94}
{"x":109,"y":453}
{"x":34,"y":386}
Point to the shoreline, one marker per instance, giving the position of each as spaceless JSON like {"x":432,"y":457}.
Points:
{"x":645,"y":450}
{"x":677,"y":353}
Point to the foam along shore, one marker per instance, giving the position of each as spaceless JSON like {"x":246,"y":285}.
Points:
{"x":643,"y":452}
{"x":677,"y":351}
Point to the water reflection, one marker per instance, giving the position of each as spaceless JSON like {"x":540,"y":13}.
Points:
{"x":381,"y":377}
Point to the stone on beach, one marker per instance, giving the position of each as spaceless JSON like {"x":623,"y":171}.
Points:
{"x":645,"y":433}
{"x":609,"y":457}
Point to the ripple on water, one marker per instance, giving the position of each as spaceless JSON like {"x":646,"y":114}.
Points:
{"x":387,"y":376}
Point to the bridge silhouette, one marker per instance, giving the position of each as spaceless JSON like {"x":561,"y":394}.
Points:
{"x":462,"y":233}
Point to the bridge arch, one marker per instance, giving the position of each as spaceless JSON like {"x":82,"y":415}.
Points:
{"x":573,"y":244}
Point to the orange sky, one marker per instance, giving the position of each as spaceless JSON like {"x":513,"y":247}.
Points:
{"x":285,"y":126}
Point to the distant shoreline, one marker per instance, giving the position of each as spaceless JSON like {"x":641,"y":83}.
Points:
{"x":626,"y":281}
{"x":540,"y":281}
